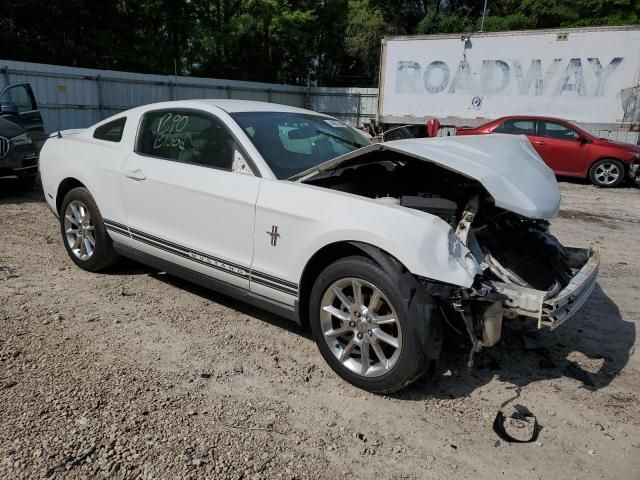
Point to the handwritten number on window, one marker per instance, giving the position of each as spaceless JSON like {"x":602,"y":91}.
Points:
{"x":170,"y":131}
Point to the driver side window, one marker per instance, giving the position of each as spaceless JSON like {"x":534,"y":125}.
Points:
{"x":188,"y":137}
{"x":558,"y":131}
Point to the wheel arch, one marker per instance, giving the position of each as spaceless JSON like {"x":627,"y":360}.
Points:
{"x":65,"y":187}
{"x":331,"y":253}
{"x":606,"y":157}
{"x":427,"y":320}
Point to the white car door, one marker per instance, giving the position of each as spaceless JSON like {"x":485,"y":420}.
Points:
{"x":184,"y":202}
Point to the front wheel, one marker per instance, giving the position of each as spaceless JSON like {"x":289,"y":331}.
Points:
{"x":83,"y":232}
{"x":607,"y":173}
{"x":360,"y":322}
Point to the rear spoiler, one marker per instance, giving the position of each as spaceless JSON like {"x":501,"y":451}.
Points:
{"x":66,"y":133}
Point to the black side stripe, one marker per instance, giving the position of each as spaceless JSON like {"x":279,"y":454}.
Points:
{"x":189,"y":257}
{"x":272,"y":279}
{"x":267,"y":280}
{"x":216,"y":263}
{"x":275,"y":287}
{"x":115,"y":224}
{"x":180,"y":247}
{"x":117,"y":230}
{"x":116,"y":227}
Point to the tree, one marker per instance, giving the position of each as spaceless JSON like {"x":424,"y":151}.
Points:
{"x":331,"y":42}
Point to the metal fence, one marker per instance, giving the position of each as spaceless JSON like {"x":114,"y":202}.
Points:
{"x":71,"y":97}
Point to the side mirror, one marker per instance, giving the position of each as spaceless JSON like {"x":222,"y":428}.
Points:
{"x":8,"y":109}
{"x":582,"y":139}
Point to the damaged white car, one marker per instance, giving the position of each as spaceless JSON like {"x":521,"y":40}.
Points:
{"x":376,"y":247}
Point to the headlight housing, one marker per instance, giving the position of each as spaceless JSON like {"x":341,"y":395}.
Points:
{"x":22,"y":139}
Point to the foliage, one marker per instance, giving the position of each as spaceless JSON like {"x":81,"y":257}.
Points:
{"x":331,"y":42}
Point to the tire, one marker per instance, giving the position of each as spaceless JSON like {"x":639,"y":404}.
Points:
{"x":26,"y":184}
{"x":607,"y":172}
{"x":338,"y":340}
{"x":398,"y":134}
{"x":78,"y":211}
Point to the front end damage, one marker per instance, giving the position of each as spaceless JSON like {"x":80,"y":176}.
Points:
{"x":497,"y":195}
{"x":553,"y":307}
{"x":525,"y":263}
{"x":526,"y":273}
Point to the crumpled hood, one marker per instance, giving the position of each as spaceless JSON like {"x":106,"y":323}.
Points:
{"x":506,"y":165}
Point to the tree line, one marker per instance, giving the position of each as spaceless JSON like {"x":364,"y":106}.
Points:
{"x":327,"y":42}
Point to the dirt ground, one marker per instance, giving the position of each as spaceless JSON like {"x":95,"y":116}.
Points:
{"x":134,"y":374}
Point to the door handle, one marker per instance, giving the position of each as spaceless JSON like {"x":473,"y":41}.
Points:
{"x":538,"y":142}
{"x":135,"y":175}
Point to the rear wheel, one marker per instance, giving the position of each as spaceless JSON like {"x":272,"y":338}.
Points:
{"x":361,"y":325}
{"x":83,"y":232}
{"x":607,"y":173}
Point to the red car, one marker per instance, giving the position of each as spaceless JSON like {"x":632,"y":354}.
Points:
{"x":569,"y":150}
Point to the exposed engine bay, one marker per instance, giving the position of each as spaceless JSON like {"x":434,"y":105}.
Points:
{"x":526,"y":271}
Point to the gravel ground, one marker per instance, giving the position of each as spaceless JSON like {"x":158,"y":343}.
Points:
{"x":135,"y":374}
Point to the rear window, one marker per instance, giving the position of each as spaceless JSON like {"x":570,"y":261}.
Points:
{"x":112,"y":131}
{"x":516,"y":127}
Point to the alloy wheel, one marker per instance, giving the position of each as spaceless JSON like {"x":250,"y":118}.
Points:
{"x":361,"y":327}
{"x":607,"y":173}
{"x":79,"y":230}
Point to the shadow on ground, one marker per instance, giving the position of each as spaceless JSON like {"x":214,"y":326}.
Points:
{"x":592,"y":348}
{"x":11,"y":192}
{"x":130,"y":267}
{"x":597,"y":334}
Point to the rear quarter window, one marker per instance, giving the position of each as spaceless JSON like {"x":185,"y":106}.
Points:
{"x":111,"y":131}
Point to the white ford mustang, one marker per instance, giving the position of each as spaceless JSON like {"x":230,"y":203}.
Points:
{"x":376,"y":247}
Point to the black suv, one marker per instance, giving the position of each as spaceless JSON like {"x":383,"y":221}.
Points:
{"x":21,"y":134}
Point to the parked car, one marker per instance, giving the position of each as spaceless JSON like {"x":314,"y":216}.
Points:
{"x":18,"y":155}
{"x":570,"y":150}
{"x":21,"y":134}
{"x":373,"y":245}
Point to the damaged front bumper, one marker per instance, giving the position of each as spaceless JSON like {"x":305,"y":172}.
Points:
{"x":555,"y":306}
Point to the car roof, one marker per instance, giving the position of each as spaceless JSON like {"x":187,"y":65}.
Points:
{"x":233,"y":106}
{"x":230,"y":106}
{"x":532,"y":117}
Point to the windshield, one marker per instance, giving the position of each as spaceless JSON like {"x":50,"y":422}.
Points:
{"x":293,"y":142}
